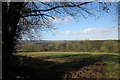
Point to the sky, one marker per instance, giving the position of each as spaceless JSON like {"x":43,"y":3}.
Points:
{"x":91,"y":28}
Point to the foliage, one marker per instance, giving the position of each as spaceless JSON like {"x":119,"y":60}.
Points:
{"x":74,"y":46}
{"x":109,"y":46}
{"x":33,"y":47}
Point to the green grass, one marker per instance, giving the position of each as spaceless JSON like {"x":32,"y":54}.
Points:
{"x":113,"y":69}
{"x":111,"y":59}
{"x":58,"y":54}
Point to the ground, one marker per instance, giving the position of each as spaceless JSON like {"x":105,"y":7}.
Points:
{"x":64,"y":66}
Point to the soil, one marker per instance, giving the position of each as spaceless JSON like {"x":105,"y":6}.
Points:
{"x":95,"y":71}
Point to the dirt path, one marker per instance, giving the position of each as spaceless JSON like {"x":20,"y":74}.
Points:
{"x":92,"y":71}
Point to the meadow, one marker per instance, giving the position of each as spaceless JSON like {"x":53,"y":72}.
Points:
{"x":66,"y":65}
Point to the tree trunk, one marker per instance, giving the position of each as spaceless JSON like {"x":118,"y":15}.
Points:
{"x":10,"y":19}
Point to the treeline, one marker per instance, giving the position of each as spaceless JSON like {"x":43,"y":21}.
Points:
{"x":75,"y":46}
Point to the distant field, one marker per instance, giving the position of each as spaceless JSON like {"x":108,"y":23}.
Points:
{"x":51,"y":54}
{"x":109,"y":61}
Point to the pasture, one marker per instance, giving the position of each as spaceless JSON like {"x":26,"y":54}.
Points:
{"x":65,"y":65}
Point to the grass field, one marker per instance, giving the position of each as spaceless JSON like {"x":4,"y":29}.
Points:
{"x":104,"y":65}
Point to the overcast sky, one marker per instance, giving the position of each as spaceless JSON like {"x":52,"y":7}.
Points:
{"x":89,"y":28}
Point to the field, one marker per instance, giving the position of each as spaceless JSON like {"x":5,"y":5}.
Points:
{"x":65,"y":65}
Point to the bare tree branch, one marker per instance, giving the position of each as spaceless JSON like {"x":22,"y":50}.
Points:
{"x":38,"y":15}
{"x":60,"y":6}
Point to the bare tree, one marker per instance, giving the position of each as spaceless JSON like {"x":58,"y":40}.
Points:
{"x":28,"y":18}
{"x":36,"y":17}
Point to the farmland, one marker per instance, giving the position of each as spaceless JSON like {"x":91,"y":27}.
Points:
{"x":65,"y":65}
